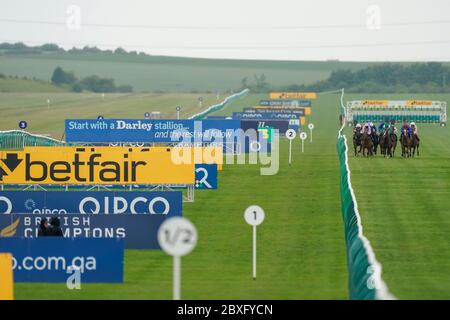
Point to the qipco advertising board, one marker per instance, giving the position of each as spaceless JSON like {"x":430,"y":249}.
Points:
{"x":91,"y":202}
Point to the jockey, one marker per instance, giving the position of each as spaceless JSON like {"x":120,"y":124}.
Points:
{"x":383,"y":125}
{"x":357,"y":127}
{"x":414,"y":130}
{"x":406,"y":129}
{"x":373,"y":128}
{"x":366,"y":128}
{"x":393,"y":129}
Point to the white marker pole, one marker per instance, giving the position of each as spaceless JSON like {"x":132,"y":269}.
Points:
{"x":178,"y":112}
{"x":176,"y":277}
{"x":290,"y":134}
{"x":254,"y":216}
{"x":254,"y":252}
{"x":177,"y":237}
{"x":303,"y":137}
{"x":311,"y":127}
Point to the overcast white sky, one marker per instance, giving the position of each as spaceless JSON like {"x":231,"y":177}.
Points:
{"x":249,"y":29}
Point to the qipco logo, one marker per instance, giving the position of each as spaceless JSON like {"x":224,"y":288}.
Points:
{"x":5,"y":205}
{"x":117,"y":205}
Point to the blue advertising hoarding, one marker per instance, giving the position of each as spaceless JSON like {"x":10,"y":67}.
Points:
{"x":49,"y":259}
{"x":285,"y":103}
{"x":138,"y":230}
{"x":145,"y":130}
{"x":265,"y":116}
{"x":281,"y":125}
{"x":91,"y":202}
{"x":206,"y":176}
{"x":299,"y":111}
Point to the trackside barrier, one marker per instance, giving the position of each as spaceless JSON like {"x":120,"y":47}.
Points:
{"x":220,"y":106}
{"x":17,"y":139}
{"x":365,"y":281}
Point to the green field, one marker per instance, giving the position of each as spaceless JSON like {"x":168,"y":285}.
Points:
{"x":33,"y":108}
{"x":301,"y":246}
{"x":152,"y":73}
{"x":404,"y":204}
{"x":29,"y":86}
{"x":301,"y":252}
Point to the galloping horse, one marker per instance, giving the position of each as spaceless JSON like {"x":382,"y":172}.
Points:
{"x":406,"y":142}
{"x":357,"y":140}
{"x":386,"y":143}
{"x":367,"y":144}
{"x":415,"y":144}
{"x":375,"y":140}
{"x":393,"y":137}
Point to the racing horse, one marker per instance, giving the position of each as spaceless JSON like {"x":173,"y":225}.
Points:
{"x":357,"y":140}
{"x":393,"y":137}
{"x":386,"y":143}
{"x":406,"y":142}
{"x":367,"y":144}
{"x":375,"y":140}
{"x":415,"y":141}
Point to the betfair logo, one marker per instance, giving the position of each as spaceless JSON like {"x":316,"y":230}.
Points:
{"x":11,"y":162}
{"x":83,"y":171}
{"x":99,"y":165}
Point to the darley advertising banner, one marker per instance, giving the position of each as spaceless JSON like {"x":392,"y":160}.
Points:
{"x":91,"y":202}
{"x":55,"y":259}
{"x":143,"y":130}
{"x":138,"y":230}
{"x":94,"y":165}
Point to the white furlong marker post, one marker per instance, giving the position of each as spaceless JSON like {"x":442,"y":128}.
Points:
{"x":177,"y":236}
{"x":303,"y":137}
{"x":254,"y":216}
{"x":290,"y":134}
{"x":310,"y":127}
{"x":178,"y":112}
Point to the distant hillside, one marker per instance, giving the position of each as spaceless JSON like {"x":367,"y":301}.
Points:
{"x":158,"y":73}
{"x":147,"y":73}
{"x":21,"y":85}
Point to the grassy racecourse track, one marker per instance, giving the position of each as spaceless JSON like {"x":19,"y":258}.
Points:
{"x":301,"y":253}
{"x":404,"y":205}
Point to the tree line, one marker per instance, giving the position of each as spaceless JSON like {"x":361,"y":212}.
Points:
{"x":430,"y":77}
{"x":91,"y":83}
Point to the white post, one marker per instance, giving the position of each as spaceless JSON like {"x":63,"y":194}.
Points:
{"x":254,"y":252}
{"x":176,"y":277}
{"x":290,"y":152}
{"x":303,"y":137}
{"x":254,"y":215}
{"x":310,"y":134}
{"x":290,"y":134}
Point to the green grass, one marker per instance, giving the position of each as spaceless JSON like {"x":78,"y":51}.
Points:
{"x":172,"y":74}
{"x":33,"y":108}
{"x":301,"y":255}
{"x":404,"y":205}
{"x":21,"y":85}
{"x":301,"y":251}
